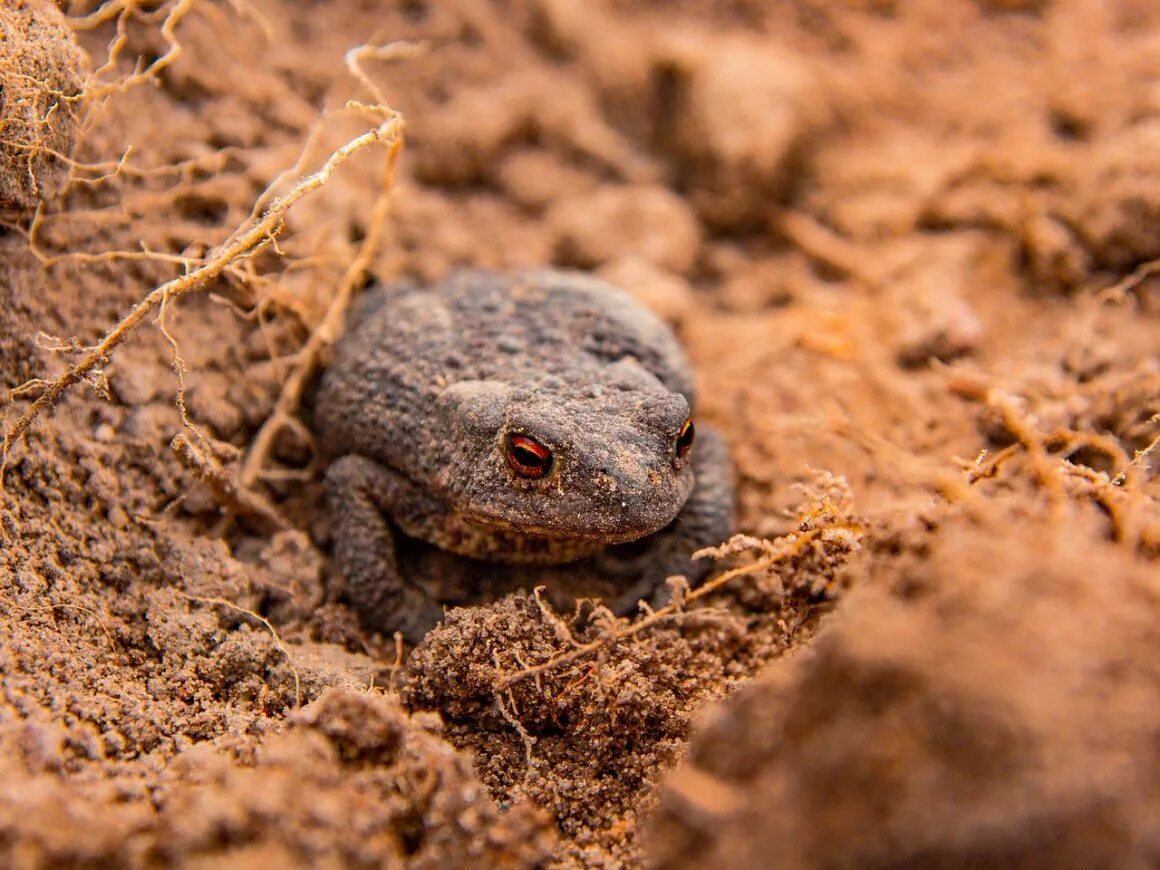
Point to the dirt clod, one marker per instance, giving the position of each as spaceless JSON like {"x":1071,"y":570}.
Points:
{"x":41,"y":80}
{"x":921,"y":728}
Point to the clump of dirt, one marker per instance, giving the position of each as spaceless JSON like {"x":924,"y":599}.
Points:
{"x":41,"y":84}
{"x":582,"y":713}
{"x":738,"y":115}
{"x":963,"y":706}
{"x":354,"y":781}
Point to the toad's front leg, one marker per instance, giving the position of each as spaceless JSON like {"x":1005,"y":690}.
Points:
{"x":360,"y":492}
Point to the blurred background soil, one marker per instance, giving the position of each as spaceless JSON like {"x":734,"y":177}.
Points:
{"x":886,"y":232}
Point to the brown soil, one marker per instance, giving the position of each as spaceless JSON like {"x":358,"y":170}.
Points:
{"x":884,"y":231}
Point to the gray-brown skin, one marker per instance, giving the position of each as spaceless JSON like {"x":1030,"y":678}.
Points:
{"x":426,"y":390}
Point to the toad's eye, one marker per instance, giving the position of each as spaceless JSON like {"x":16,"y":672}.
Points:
{"x":528,"y":457}
{"x":685,"y":438}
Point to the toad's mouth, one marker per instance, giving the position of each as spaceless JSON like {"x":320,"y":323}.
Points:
{"x":604,"y":530}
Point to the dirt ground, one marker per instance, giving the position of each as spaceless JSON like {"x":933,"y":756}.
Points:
{"x":907,"y":245}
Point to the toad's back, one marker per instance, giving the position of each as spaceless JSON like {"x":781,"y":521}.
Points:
{"x":545,"y":332}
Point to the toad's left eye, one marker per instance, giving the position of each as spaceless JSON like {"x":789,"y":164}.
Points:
{"x":528,"y":457}
{"x":685,"y":438}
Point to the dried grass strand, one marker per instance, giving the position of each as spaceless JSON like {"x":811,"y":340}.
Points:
{"x":243,"y":245}
{"x":785,"y":548}
{"x":309,"y":356}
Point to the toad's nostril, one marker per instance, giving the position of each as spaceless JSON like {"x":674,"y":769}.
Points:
{"x":606,"y":480}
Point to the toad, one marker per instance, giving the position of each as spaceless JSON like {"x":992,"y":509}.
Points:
{"x":532,"y":424}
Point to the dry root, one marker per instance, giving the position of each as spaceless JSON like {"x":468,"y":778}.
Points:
{"x":233,"y":257}
{"x":247,"y":242}
{"x":208,"y":459}
{"x":826,"y":529}
{"x":309,"y":357}
{"x":1070,"y":462}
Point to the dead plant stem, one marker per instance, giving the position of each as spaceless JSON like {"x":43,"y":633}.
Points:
{"x":242,"y":245}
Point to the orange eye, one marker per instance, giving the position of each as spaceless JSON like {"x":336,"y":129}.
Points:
{"x":685,"y":438}
{"x":528,"y":457}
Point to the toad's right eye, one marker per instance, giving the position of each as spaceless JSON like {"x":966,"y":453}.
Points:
{"x":528,"y":457}
{"x":685,"y":439}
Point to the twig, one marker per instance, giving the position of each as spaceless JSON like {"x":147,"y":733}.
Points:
{"x":202,"y":459}
{"x":792,"y":547}
{"x":509,"y":712}
{"x":1046,"y":471}
{"x":244,"y":244}
{"x":328,"y":329}
{"x":1138,"y":276}
{"x":1142,"y":454}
